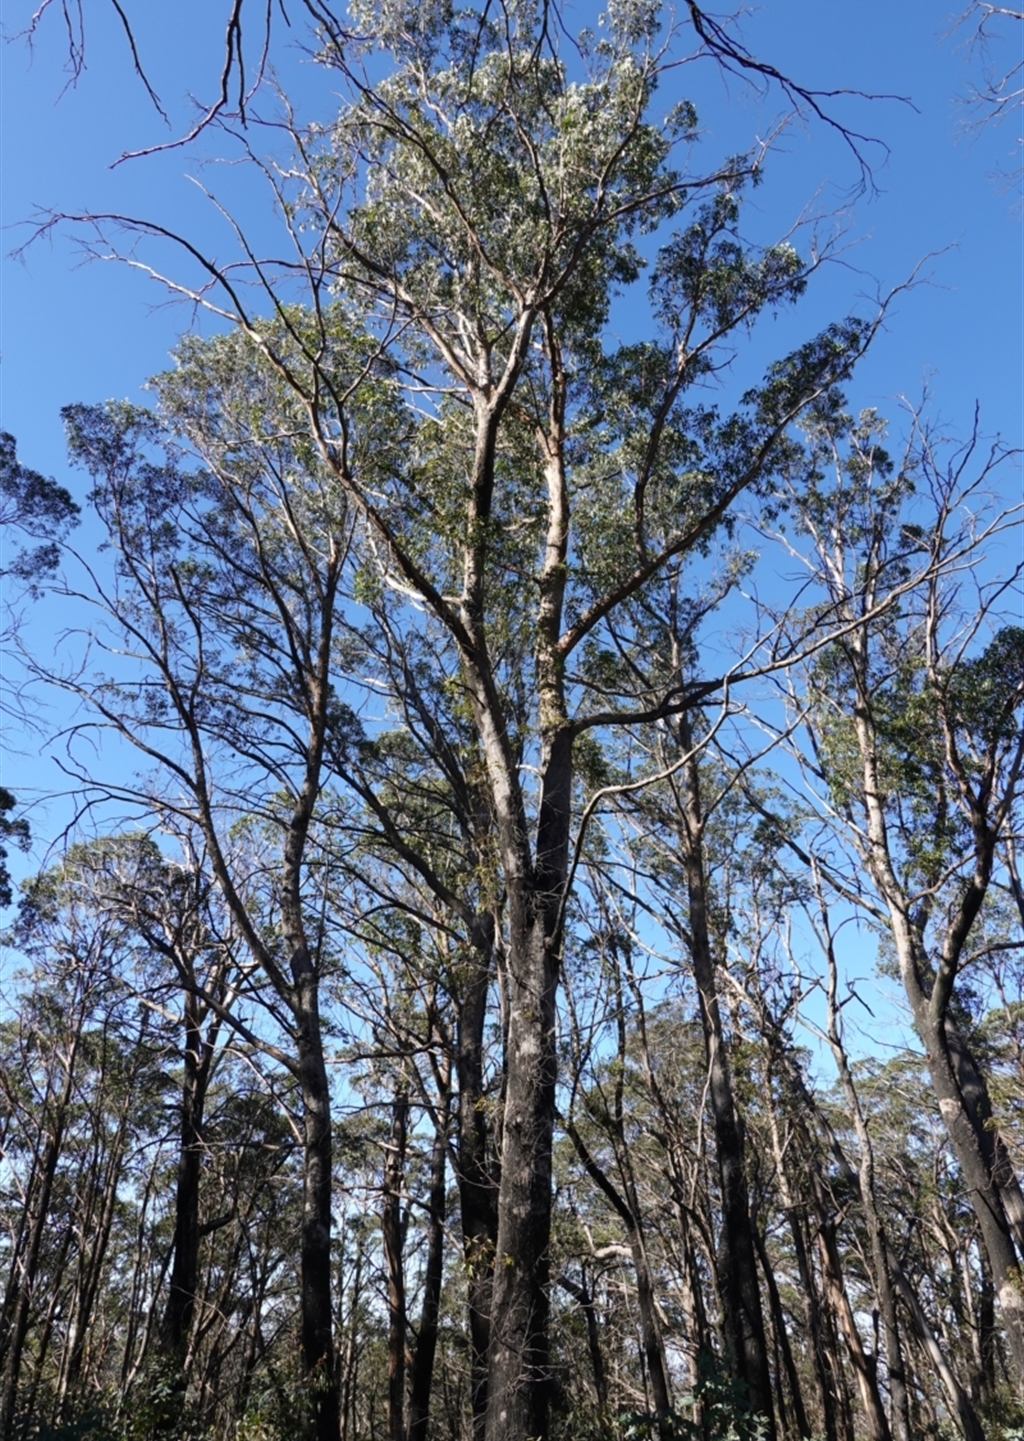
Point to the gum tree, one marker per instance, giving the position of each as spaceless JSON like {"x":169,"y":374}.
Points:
{"x":914,"y":737}
{"x":453,"y":423}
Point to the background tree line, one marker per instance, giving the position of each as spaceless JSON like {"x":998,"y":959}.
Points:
{"x":437,"y":1048}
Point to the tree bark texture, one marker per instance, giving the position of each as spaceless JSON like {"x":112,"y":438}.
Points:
{"x":477,"y":1181}
{"x":180,"y":1308}
{"x":317,"y":1311}
{"x":737,"y":1260}
{"x":518,"y":1398}
{"x":392,"y":1231}
{"x":421,"y":1371}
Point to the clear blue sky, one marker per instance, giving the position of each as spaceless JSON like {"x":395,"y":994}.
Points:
{"x":86,"y":333}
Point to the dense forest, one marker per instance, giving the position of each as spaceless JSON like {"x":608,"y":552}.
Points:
{"x":540,"y":948}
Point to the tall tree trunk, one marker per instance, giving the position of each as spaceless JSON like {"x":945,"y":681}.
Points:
{"x":98,"y":1229}
{"x":978,"y":1106}
{"x":780,"y":1329}
{"x":957,"y":1398}
{"x":864,"y":1365}
{"x":422,"y":1369}
{"x":827,"y":1366}
{"x":628,"y":1210}
{"x":317,"y":1312}
{"x":518,"y":1399}
{"x":899,"y":1402}
{"x":475,"y":1175}
{"x":24,"y":1268}
{"x":392,"y":1231}
{"x":959,"y":1087}
{"x":796,"y":1216}
{"x":860,"y":1182}
{"x":180,"y":1308}
{"x":737,"y":1261}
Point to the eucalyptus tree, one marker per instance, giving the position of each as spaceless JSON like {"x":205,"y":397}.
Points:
{"x":37,"y":508}
{"x":446,"y":397}
{"x":551,"y":482}
{"x":419,"y":852}
{"x":914,"y":738}
{"x":83,"y":1087}
{"x":223,"y":595}
{"x":169,"y":909}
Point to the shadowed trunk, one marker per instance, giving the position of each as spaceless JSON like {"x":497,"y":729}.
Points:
{"x":18,"y":1297}
{"x":178,"y":1314}
{"x":393,"y":1235}
{"x":518,"y":1398}
{"x":628,"y":1210}
{"x":422,"y":1369}
{"x":737,"y":1262}
{"x":317,"y":1314}
{"x":476,"y":1180}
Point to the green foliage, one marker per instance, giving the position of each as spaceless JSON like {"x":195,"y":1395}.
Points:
{"x":719,"y":1401}
{"x":40,"y":508}
{"x":93,"y":1423}
{"x":16,"y":831}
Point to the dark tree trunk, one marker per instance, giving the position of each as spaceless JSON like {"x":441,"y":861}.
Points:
{"x":974,"y":1146}
{"x":518,"y":1399}
{"x":825,"y":1358}
{"x":978,"y":1106}
{"x":478,"y":1186}
{"x":18,"y":1301}
{"x":581,"y":1293}
{"x":103,"y":1189}
{"x":782,"y":1339}
{"x":392,"y":1231}
{"x":317,"y":1314}
{"x":628,"y":1209}
{"x":422,"y":1370}
{"x":180,"y":1308}
{"x":737,"y":1263}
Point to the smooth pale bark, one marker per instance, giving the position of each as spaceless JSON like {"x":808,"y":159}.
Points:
{"x":964,"y":1111}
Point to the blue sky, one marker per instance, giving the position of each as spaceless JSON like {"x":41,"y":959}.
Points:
{"x":74,"y":332}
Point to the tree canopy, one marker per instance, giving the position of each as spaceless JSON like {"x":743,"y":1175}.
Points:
{"x":518,"y":721}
